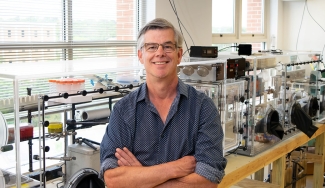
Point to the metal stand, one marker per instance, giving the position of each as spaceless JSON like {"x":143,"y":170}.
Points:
{"x":88,"y":142}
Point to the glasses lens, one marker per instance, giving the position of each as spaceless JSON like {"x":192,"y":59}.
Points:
{"x":151,"y":47}
{"x":169,"y":47}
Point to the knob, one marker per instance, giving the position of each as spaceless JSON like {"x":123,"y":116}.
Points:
{"x":65,"y":95}
{"x":46,"y":123}
{"x":45,"y":98}
{"x":36,"y":157}
{"x":84,"y":93}
{"x":46,"y":148}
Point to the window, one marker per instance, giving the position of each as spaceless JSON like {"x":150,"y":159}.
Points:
{"x":239,"y":21}
{"x":82,"y":27}
{"x":64,"y":30}
{"x":223,"y":16}
{"x":252,"y":16}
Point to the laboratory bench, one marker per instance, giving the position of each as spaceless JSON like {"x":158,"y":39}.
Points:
{"x":240,"y":167}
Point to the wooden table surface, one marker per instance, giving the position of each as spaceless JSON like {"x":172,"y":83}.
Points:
{"x":240,"y":167}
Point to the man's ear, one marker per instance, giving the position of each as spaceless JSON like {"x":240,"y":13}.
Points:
{"x":180,"y":54}
{"x":140,"y":56}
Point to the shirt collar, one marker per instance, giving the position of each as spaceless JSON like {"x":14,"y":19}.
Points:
{"x":181,"y":89}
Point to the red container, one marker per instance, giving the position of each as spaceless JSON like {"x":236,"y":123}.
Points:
{"x":26,"y":132}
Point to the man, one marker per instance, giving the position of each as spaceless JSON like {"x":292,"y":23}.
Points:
{"x":166,"y":133}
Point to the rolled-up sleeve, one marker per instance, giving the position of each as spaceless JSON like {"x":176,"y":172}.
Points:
{"x":108,"y":163}
{"x":209,"y":146}
{"x":117,"y":135}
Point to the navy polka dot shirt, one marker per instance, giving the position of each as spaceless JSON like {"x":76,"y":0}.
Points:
{"x":192,"y":127}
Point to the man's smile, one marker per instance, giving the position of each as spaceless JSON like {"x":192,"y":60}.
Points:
{"x":160,"y":62}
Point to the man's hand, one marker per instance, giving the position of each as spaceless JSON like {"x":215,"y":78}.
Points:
{"x":126,"y":158}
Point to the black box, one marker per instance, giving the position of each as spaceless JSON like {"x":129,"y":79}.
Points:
{"x":204,"y":51}
{"x":244,"y":49}
{"x":236,"y":68}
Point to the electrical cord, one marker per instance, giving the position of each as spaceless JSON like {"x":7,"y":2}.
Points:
{"x":183,"y":24}
{"x":178,"y":20}
{"x":306,"y":7}
{"x":302,"y":18}
{"x":185,"y":52}
{"x":232,"y":152}
{"x":318,"y":25}
{"x":313,"y":17}
{"x":227,"y":48}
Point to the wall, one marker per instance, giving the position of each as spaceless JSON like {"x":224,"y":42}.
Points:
{"x":254,"y":21}
{"x":194,"y":14}
{"x":311,"y":36}
{"x":275,"y":24}
{"x":254,"y":13}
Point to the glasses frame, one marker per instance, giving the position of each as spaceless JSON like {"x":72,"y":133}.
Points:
{"x":162,"y":45}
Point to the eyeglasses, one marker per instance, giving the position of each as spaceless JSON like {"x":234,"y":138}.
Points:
{"x":153,"y":47}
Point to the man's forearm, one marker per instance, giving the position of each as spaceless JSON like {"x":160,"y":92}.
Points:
{"x":139,"y":176}
{"x":190,"y":181}
{"x":136,"y":176}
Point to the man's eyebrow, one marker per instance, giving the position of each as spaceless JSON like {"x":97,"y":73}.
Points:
{"x":168,"y":42}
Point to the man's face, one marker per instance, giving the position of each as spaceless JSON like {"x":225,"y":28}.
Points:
{"x":161,"y":63}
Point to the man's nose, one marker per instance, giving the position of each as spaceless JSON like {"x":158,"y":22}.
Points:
{"x":160,"y":49}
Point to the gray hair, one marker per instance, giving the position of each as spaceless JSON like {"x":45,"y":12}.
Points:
{"x":159,"y":23}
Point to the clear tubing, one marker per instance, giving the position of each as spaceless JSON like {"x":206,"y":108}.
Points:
{"x":17,"y":132}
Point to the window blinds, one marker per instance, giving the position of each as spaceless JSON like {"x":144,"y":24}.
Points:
{"x":32,"y":30}
{"x":47,"y":30}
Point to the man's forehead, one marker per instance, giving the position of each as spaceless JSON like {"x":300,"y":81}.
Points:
{"x":156,"y":34}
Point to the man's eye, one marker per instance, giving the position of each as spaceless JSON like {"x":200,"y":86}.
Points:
{"x":168,"y":46}
{"x":151,"y":47}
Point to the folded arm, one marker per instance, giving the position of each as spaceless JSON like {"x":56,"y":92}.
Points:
{"x":131,"y":173}
{"x":192,"y":180}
